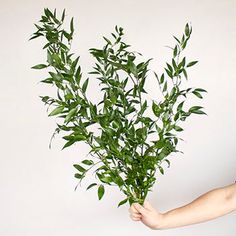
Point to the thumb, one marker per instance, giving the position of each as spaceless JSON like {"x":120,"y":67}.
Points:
{"x":140,"y":208}
{"x":148,"y":205}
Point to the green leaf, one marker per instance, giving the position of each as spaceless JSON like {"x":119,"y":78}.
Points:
{"x":200,"y":90}
{"x":160,"y":144}
{"x":199,"y":112}
{"x":168,"y":162}
{"x":78,"y":176}
{"x":63,"y":15}
{"x":91,"y":185}
{"x":106,"y":179}
{"x":56,"y":111}
{"x":175,"y":51}
{"x":162,"y":78}
{"x":56,"y":57}
{"x":39,"y":66}
{"x":79,"y":137}
{"x":55,"y":76}
{"x":107,"y":40}
{"x":44,"y":98}
{"x":49,"y":57}
{"x":85,"y":85}
{"x":185,"y":74}
{"x":47,"y":81}
{"x":187,"y":32}
{"x":101,"y":191}
{"x":132,"y":67}
{"x":79,"y":168}
{"x":169,"y":73}
{"x":176,"y":39}
{"x":48,"y":13}
{"x":197,"y":94}
{"x":69,"y":143}
{"x":67,"y":35}
{"x":68,"y":96}
{"x":88,"y":162}
{"x":174,"y":64}
{"x":176,"y":117}
{"x":165,"y":87}
{"x":194,"y":108}
{"x":72,"y":25}
{"x":161,"y":170}
{"x":178,"y":128}
{"x":169,"y":67}
{"x":182,"y":63}
{"x":156,"y":109}
{"x":113,"y":35}
{"x":58,"y":95}
{"x":192,"y":63}
{"x":143,"y":108}
{"x":35,"y":35}
{"x":180,"y":106}
{"x":78,"y":75}
{"x":184,"y":44}
{"x":74,"y":64}
{"x":122,"y":202}
{"x":70,"y":114}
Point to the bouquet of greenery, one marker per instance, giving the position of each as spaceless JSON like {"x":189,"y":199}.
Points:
{"x":122,"y":153}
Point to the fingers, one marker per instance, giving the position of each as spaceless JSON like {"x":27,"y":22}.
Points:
{"x":140,"y":209}
{"x":132,"y":209}
{"x":137,"y":211}
{"x":135,"y":216}
{"x":136,"y":219}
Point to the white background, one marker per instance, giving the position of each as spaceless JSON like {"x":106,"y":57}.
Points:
{"x":37,"y":184}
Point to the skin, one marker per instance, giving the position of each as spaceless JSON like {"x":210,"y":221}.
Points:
{"x":215,"y":203}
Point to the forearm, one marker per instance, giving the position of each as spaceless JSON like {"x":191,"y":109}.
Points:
{"x":210,"y":205}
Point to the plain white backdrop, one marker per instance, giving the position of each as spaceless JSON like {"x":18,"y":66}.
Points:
{"x":37,"y":183}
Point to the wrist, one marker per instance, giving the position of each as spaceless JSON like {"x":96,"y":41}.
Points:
{"x":160,"y":221}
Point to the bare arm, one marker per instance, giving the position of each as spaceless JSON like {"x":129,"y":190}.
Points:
{"x":213,"y":204}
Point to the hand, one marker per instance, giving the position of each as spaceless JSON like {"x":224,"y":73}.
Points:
{"x":146,"y":214}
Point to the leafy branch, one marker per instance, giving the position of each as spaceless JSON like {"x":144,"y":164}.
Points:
{"x":126,"y":156}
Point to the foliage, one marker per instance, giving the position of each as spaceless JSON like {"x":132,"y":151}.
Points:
{"x":122,"y":154}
